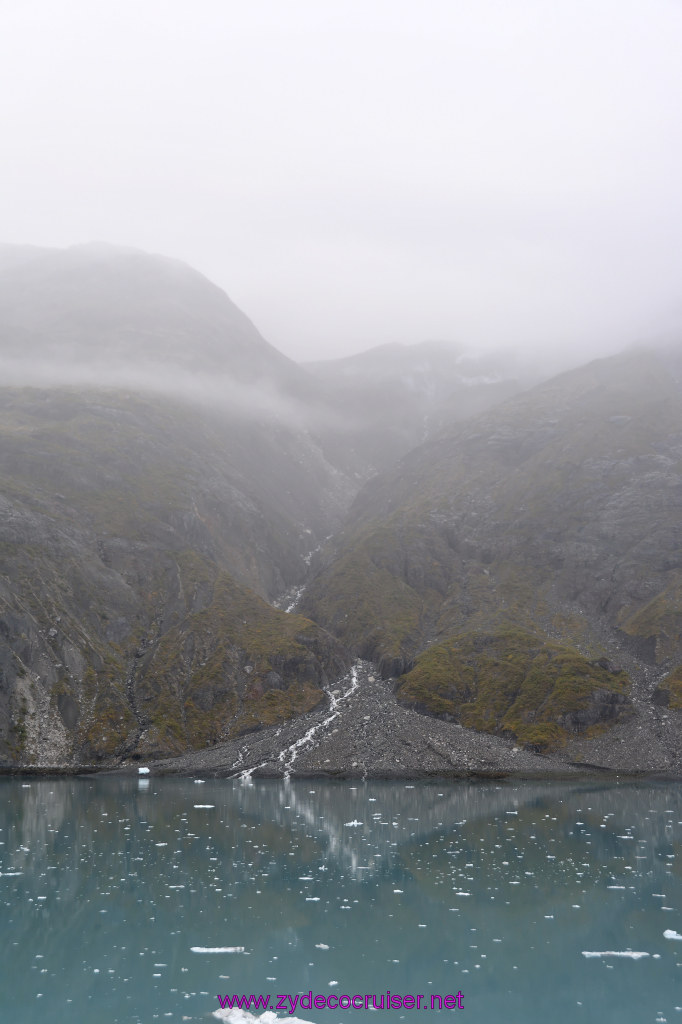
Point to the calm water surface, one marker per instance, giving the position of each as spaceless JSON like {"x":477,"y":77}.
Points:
{"x":116,"y":896}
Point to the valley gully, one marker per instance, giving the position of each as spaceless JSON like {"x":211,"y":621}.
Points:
{"x":343,"y":1002}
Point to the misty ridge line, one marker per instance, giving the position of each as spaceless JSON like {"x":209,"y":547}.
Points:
{"x":100,"y":315}
{"x":260,"y":401}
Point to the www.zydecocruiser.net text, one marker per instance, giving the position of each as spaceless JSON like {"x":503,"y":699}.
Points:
{"x":372,"y":1001}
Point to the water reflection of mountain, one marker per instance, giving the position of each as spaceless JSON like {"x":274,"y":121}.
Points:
{"x":427,"y":875}
{"x":354,"y":825}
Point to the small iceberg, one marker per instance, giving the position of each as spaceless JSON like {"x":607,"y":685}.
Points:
{"x":244,"y":1017}
{"x":670,"y":934}
{"x":217,"y":949}
{"x":143,"y":771}
{"x":626,"y":953}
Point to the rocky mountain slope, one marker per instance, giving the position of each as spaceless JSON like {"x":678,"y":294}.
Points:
{"x":98,"y":312}
{"x":521,"y":574}
{"x":157,"y":501}
{"x":392,"y":398}
{"x":138,"y":554}
{"x":198,"y":538}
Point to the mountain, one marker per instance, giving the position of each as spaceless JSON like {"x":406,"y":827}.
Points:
{"x":522,"y":573}
{"x":384,"y":402}
{"x":154,"y":501}
{"x":138,"y":553}
{"x":200,"y":538}
{"x":100,"y":312}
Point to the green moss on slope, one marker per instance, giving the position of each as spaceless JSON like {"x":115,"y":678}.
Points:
{"x":516,"y":683}
{"x":235,"y":666}
{"x":659,"y":621}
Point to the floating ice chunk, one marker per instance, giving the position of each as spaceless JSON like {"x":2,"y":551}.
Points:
{"x":321,"y":945}
{"x":143,"y":771}
{"x":312,"y":899}
{"x":207,"y":806}
{"x":670,"y":934}
{"x":352,"y":824}
{"x":626,"y":953}
{"x":199,"y":782}
{"x":244,"y":1017}
{"x":217,"y":949}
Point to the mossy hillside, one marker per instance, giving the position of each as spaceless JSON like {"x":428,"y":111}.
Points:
{"x":407,"y":582}
{"x":659,"y":621}
{"x":236,"y":665}
{"x":381,"y":596}
{"x":558,"y":512}
{"x":369,"y":610}
{"x":122,"y":510}
{"x":669,"y":691}
{"x":510,"y":682}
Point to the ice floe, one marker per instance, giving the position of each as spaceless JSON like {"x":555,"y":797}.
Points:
{"x":217,"y":949}
{"x":629,"y":953}
{"x":237,"y":1016}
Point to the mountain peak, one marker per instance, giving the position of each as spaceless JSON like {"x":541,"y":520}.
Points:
{"x":107,"y":314}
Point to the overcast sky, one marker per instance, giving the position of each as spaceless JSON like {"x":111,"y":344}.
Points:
{"x":490,"y":172}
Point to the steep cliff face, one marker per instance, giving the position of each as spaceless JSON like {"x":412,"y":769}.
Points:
{"x":548,"y":531}
{"x":138,"y":548}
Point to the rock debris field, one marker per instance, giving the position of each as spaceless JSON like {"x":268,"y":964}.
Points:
{"x":362,"y":732}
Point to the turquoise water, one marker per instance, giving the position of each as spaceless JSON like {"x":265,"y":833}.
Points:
{"x":126,"y":900}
